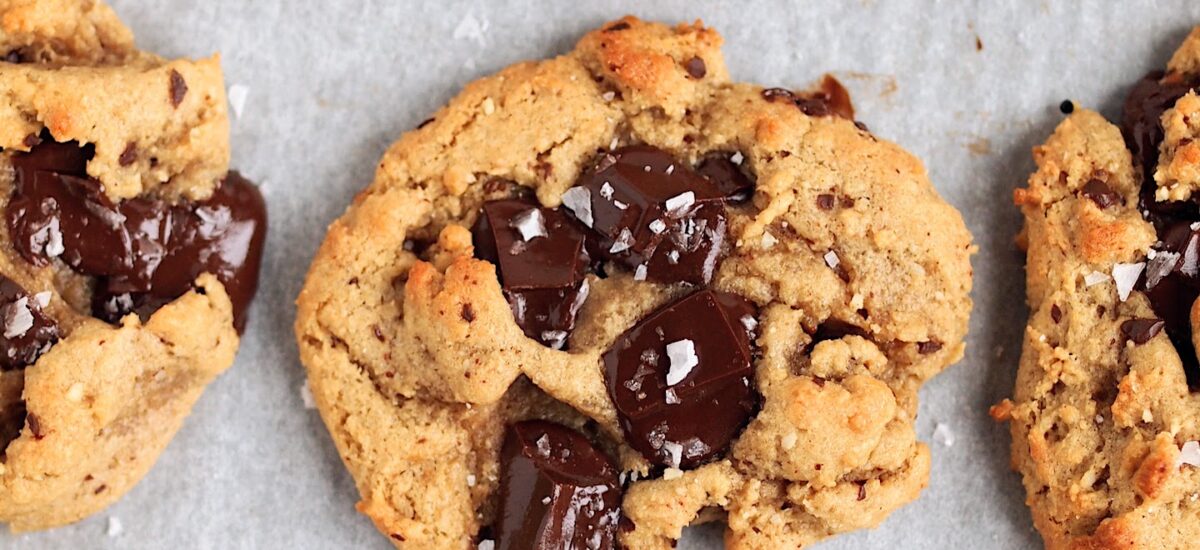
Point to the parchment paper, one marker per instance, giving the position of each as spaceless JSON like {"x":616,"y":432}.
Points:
{"x":969,"y":87}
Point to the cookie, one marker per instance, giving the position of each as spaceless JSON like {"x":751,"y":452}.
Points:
{"x":128,"y":255}
{"x":1105,"y":410}
{"x":618,"y":275}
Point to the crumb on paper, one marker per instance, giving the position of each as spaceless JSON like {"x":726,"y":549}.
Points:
{"x":471,"y":29}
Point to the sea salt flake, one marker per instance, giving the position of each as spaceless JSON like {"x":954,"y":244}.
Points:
{"x":768,"y":240}
{"x":306,"y":396}
{"x":114,"y":527}
{"x":18,"y":319}
{"x":471,"y":480}
{"x":749,"y":322}
{"x":1095,"y":278}
{"x":832,"y":260}
{"x":737,"y":158}
{"x":639,"y":273}
{"x":670,"y":169}
{"x":943,"y":434}
{"x":487,"y":544}
{"x":43,"y":298}
{"x":606,"y":191}
{"x":789,"y":441}
{"x":531,"y":224}
{"x":579,"y":201}
{"x":1126,"y":276}
{"x":623,"y":242}
{"x":609,"y":96}
{"x":543,"y":446}
{"x":673,"y":257}
{"x":681,"y":201}
{"x":658,"y":226}
{"x":1190,"y":454}
{"x":612,"y":144}
{"x":670,"y":396}
{"x":555,"y":338}
{"x":682,"y":354}
{"x":674,"y":453}
{"x":237,"y":99}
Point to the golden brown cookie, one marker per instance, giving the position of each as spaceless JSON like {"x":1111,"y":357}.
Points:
{"x":720,"y":300}
{"x":127,"y":255}
{"x":1104,"y":416}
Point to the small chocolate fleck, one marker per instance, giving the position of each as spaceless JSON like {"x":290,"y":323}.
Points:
{"x":128,"y":155}
{"x":100,"y":489}
{"x":1067,"y":107}
{"x":1055,"y":313}
{"x":35,"y":426}
{"x":1141,"y":330}
{"x":619,"y":26}
{"x":14,"y":57}
{"x":1101,"y":193}
{"x":426,"y":122}
{"x":862,"y":490}
{"x":178,"y":88}
{"x":378,"y":333}
{"x":695,"y":67}
{"x":468,"y":313}
{"x":978,"y":43}
{"x":32,"y":140}
{"x":626,"y":525}
{"x":398,"y":537}
{"x":862,"y":126}
{"x":926,"y":348}
{"x":825,"y":201}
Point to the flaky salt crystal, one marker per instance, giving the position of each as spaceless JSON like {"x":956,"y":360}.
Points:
{"x":682,"y":355}
{"x":623,"y":242}
{"x":579,"y":201}
{"x":237,"y":99}
{"x":531,"y":224}
{"x":18,"y":319}
{"x":1126,"y":276}
{"x":832,"y":260}
{"x":1095,"y":278}
{"x":681,"y":201}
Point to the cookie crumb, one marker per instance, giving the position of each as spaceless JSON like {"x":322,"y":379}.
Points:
{"x":943,"y":434}
{"x":307,"y":397}
{"x":114,"y":527}
{"x":672,"y":473}
{"x":489,"y":106}
{"x":75,"y":392}
{"x":474,"y":30}
{"x":237,"y":99}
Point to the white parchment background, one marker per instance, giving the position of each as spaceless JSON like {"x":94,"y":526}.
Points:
{"x":331,"y":83}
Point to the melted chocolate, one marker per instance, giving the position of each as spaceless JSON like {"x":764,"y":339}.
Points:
{"x":652,"y":214}
{"x":26,"y":332}
{"x":719,"y":168}
{"x":685,"y":423}
{"x":829,"y":98}
{"x":144,"y":252}
{"x":557,"y":491}
{"x":542,"y":276}
{"x":1172,"y":279}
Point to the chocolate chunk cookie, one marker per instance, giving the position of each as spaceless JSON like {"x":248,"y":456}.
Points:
{"x":1104,"y":416}
{"x":602,"y":297}
{"x":128,"y":255}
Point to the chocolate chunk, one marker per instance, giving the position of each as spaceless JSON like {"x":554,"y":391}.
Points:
{"x":728,"y":176}
{"x":680,"y":378}
{"x":179,"y":88}
{"x":128,"y":155}
{"x":825,"y":201}
{"x":1055,"y":313}
{"x":31,"y":140}
{"x":652,"y":214}
{"x":26,"y":332}
{"x":829,"y":98}
{"x":556,"y":491}
{"x":35,"y":426}
{"x":926,"y":348}
{"x":696,"y":68}
{"x":1101,"y":193}
{"x":145,"y":252}
{"x":1141,"y":120}
{"x":619,"y":26}
{"x":1141,"y":331}
{"x":1172,"y":283}
{"x":541,"y":262}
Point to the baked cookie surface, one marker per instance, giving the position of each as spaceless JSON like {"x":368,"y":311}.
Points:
{"x":720,"y":299}
{"x":1104,"y":416}
{"x":128,"y":255}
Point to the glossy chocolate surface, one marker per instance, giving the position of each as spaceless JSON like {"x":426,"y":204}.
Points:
{"x":682,"y":424}
{"x":26,"y":332}
{"x":557,"y":491}
{"x":144,"y":252}
{"x":542,"y":276}
{"x":650,"y":211}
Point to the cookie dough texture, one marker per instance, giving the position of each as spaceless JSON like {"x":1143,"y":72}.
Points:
{"x":1098,"y":422}
{"x":105,"y":400}
{"x":416,"y":363}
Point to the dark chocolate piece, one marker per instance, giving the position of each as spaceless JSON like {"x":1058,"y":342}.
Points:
{"x":1140,"y":331}
{"x":145,"y":252}
{"x":680,"y":378}
{"x":179,"y":88}
{"x":26,"y":332}
{"x":695,"y":68}
{"x":652,"y":214}
{"x":829,"y":98}
{"x":1101,"y":193}
{"x":557,"y":491}
{"x":541,"y":262}
{"x":719,"y":168}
